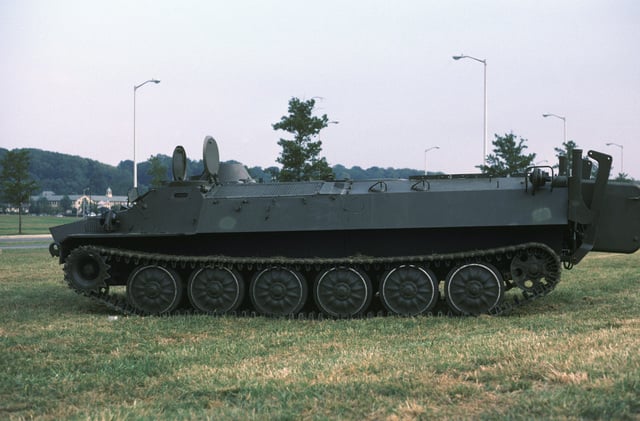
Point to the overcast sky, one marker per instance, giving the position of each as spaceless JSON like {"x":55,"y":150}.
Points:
{"x":383,"y":70}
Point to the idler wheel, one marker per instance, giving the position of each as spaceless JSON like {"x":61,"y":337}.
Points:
{"x":86,"y":270}
{"x":278,"y":291}
{"x":528,"y":270}
{"x":154,"y":289}
{"x":215,"y":290}
{"x":409,"y":290}
{"x":343,"y":292}
{"x":474,"y":288}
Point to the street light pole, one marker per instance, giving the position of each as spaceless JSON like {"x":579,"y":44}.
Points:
{"x":425,"y":157}
{"x":135,"y":166}
{"x":564,"y":124}
{"x":621,"y":155}
{"x":484,"y":140}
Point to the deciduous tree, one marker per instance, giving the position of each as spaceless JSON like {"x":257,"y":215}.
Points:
{"x":65,"y":203}
{"x":157,"y":171}
{"x":15,"y":183}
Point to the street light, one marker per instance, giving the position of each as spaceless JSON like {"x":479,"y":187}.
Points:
{"x":425,"y":157}
{"x":564,"y":123}
{"x":135,"y":169}
{"x":621,"y":155}
{"x":484,"y":141}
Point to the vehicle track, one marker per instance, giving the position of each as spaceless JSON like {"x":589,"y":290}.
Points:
{"x":91,"y":270}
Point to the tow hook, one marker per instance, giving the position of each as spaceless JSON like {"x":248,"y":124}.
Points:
{"x":54,"y":249}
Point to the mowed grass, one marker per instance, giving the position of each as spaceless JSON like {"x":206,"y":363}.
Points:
{"x":30,"y":224}
{"x":571,"y":355}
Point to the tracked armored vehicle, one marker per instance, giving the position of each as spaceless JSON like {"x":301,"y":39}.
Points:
{"x":219,"y":243}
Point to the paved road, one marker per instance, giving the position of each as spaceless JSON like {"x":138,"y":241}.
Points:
{"x":25,"y":241}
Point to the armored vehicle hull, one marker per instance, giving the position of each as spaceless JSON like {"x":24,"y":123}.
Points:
{"x":460,"y":244}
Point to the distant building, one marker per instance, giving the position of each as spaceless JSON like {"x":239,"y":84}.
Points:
{"x":82,"y":203}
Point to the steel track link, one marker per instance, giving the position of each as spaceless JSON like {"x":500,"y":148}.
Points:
{"x":497,"y":255}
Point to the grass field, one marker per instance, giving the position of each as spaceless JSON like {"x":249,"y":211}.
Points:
{"x":571,"y":355}
{"x":30,"y":224}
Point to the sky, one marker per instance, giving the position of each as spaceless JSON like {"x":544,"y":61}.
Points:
{"x":383,"y":70}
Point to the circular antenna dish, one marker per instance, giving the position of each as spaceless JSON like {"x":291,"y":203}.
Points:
{"x":211,"y":156}
{"x":179,"y":165}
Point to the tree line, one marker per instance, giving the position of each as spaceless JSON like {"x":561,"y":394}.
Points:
{"x":69,"y":174}
{"x":25,"y":171}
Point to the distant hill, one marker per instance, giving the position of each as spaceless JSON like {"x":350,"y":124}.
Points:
{"x":70,"y":174}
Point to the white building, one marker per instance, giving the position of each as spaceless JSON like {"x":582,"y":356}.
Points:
{"x":82,"y":203}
